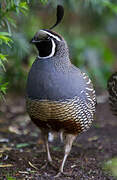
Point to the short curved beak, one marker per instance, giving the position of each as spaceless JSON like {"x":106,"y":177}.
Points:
{"x":32,"y":41}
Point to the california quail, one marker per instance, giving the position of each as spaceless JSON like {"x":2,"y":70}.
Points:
{"x":60,"y":97}
{"x":112,"y":89}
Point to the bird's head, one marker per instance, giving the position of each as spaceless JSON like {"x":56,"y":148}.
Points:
{"x":48,"y":42}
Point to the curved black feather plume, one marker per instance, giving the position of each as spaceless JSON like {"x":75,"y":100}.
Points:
{"x":59,"y":14}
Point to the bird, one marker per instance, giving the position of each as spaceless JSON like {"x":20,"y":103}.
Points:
{"x":112,"y":90}
{"x":59,"y":97}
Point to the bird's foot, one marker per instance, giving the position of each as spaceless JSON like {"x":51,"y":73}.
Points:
{"x":53,"y":165}
{"x":66,"y":174}
{"x":58,"y":175}
{"x":49,"y":163}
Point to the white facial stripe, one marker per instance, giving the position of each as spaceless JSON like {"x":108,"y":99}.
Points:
{"x":52,"y":53}
{"x":55,"y":37}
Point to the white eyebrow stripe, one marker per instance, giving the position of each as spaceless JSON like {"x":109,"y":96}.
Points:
{"x":55,"y":37}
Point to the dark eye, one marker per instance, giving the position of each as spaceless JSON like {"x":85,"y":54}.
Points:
{"x":44,"y":47}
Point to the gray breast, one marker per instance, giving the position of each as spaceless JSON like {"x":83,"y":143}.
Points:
{"x":47,"y":82}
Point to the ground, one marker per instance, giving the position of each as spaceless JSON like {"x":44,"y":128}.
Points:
{"x":22,"y":154}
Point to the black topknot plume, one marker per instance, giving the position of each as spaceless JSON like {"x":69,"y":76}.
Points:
{"x":59,"y":14}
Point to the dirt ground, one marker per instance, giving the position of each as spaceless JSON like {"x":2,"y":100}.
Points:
{"x":22,"y":154}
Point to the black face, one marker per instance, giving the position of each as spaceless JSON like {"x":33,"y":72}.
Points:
{"x":44,"y":47}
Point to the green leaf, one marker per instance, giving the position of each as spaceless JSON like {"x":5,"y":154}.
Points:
{"x":5,"y":34}
{"x":43,"y":1}
{"x":3,"y":88}
{"x":11,"y":21}
{"x":23,"y":5}
{"x":2,"y":60}
{"x":22,"y":145}
{"x":5,"y":39}
{"x":111,"y":5}
{"x":10,"y":178}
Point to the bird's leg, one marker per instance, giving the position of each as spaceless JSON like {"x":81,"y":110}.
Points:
{"x":67,"y":148}
{"x":48,"y":151}
{"x":68,"y":144}
{"x":45,"y":139}
{"x":49,"y":159}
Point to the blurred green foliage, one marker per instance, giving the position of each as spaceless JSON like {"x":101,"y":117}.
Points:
{"x":89,"y":27}
{"x":110,"y":166}
{"x":8,"y":8}
{"x":10,"y":178}
{"x":12,"y":44}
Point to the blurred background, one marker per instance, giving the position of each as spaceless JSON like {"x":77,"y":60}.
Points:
{"x":89,"y":27}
